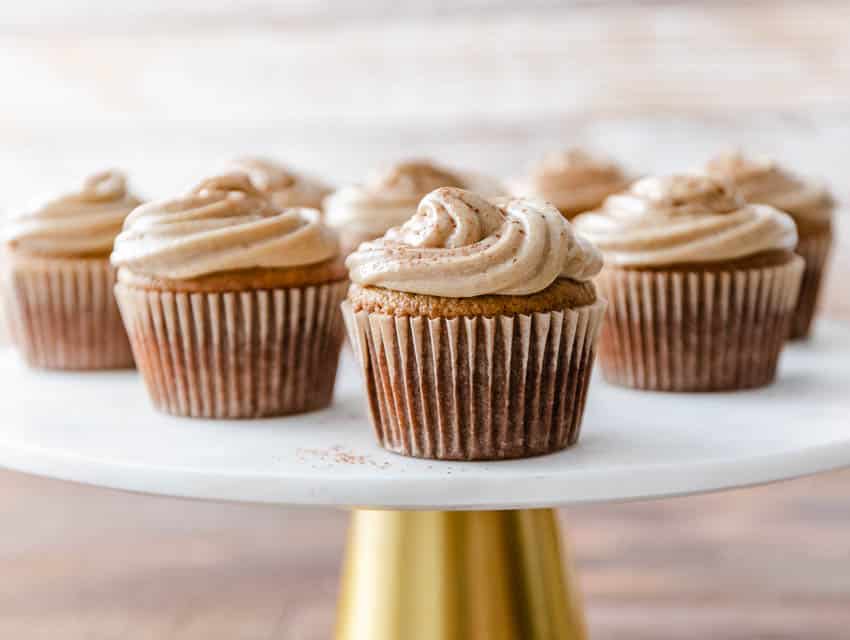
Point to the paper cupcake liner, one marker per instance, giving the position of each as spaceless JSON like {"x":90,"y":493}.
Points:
{"x":815,"y":251}
{"x":62,"y":314}
{"x":476,"y":388}
{"x":245,"y":354}
{"x":696,"y":330}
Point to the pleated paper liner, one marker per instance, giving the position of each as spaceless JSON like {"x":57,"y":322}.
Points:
{"x":244,"y":354}
{"x":814,"y":250}
{"x":476,"y":388}
{"x":62,"y":313}
{"x":696,"y":330}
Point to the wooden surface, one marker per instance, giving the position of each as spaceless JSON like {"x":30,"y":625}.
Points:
{"x":168,"y":90}
{"x":83,"y":563}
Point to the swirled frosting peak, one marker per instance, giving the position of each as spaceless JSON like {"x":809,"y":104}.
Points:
{"x":763,"y":181}
{"x":573,"y":180}
{"x":285,"y":187}
{"x":223,"y":224}
{"x":389,"y":197}
{"x":413,"y":179}
{"x":684,"y":219}
{"x":460,"y":245}
{"x":80,"y":223}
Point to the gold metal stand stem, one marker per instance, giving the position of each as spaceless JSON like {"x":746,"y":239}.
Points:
{"x":457,"y":575}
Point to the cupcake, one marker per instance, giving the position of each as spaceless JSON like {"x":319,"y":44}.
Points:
{"x":572,"y":180}
{"x":475,"y":326}
{"x":58,"y":282}
{"x":285,"y":187}
{"x":701,"y":286}
{"x":388,"y":198}
{"x":808,"y":202}
{"x":231,"y":302}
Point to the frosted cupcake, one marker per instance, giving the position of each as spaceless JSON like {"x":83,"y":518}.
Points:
{"x":475,"y":327}
{"x":285,"y":187}
{"x":701,"y":286}
{"x":231,"y":303}
{"x":58,"y":282}
{"x":573,"y":180}
{"x":808,"y":202}
{"x":388,"y":198}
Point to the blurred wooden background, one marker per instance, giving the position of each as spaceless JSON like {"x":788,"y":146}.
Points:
{"x":168,"y":90}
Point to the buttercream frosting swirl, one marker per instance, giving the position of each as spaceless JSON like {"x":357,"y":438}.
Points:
{"x":461,"y":245}
{"x":80,"y":223}
{"x":681,"y":219}
{"x":573,"y":180}
{"x":762,"y":180}
{"x":388,"y":198}
{"x":223,"y":224}
{"x":285,"y":187}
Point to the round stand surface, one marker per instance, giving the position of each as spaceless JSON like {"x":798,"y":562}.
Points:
{"x":99,"y":428}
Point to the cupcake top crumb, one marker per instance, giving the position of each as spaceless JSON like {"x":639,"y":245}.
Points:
{"x":684,"y":219}
{"x":763,"y":181}
{"x":389,"y":197}
{"x":561,"y":294}
{"x":460,"y":245}
{"x":224,"y":224}
{"x":81,"y":223}
{"x":285,"y":187}
{"x":573,"y":180}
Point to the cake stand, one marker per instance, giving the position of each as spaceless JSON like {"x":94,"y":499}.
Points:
{"x":439,"y":551}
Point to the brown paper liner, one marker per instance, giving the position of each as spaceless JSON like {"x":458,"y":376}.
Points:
{"x":245,"y":354}
{"x":476,"y":388}
{"x":696,"y":330}
{"x":62,"y":314}
{"x":814,"y":250}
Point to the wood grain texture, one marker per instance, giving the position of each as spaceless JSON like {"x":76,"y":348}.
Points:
{"x":168,"y":90}
{"x":455,"y":69}
{"x":86,"y":563}
{"x":95,"y":16}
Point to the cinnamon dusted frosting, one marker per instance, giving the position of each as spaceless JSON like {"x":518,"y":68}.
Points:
{"x":573,"y":180}
{"x":682,"y":219}
{"x":81,"y":223}
{"x":461,"y":245}
{"x":762,"y":181}
{"x":286,"y":188}
{"x":223,"y":224}
{"x":390,"y":197}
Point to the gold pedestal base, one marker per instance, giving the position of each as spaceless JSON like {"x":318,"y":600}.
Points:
{"x":457,"y":575}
